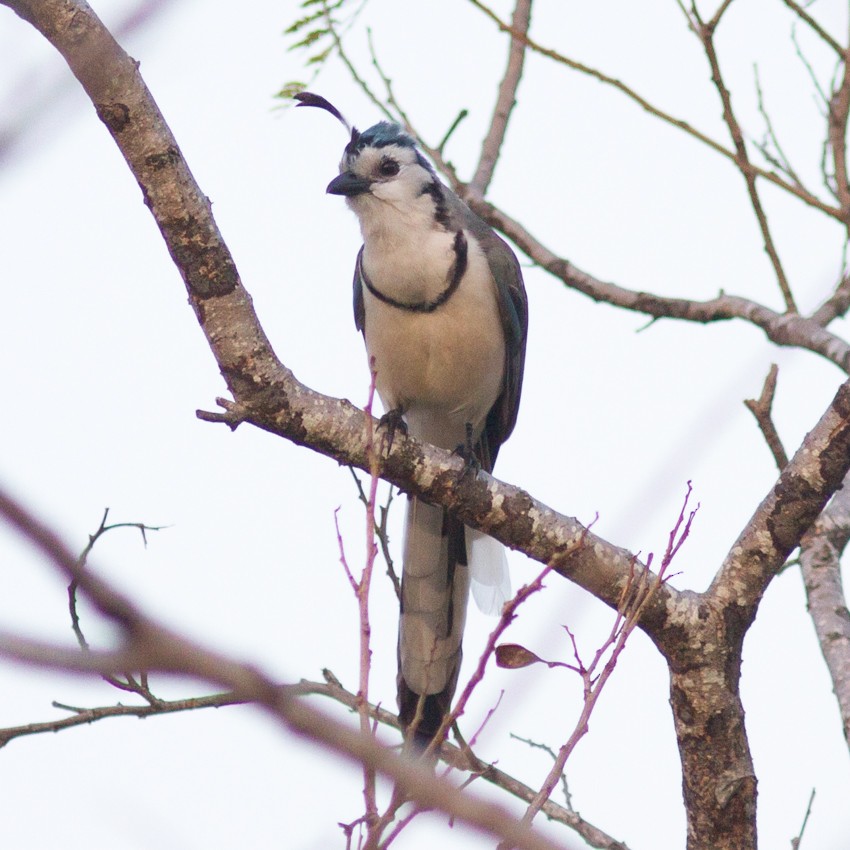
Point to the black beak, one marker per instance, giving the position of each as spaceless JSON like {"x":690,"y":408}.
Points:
{"x":348,"y":184}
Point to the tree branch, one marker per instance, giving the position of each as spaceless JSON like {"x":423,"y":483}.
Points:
{"x":150,"y":645}
{"x":705,"y":32}
{"x":761,"y":409}
{"x":803,"y":15}
{"x":805,"y":486}
{"x":838,"y":110}
{"x":81,"y":716}
{"x":772,"y":177}
{"x":820,"y":560}
{"x":505,"y":102}
{"x":783,"y":329}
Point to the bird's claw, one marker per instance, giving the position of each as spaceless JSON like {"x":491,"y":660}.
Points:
{"x":466,"y":450}
{"x":391,"y":422}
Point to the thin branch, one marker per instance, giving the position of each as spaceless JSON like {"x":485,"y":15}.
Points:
{"x":82,"y":716}
{"x":462,"y":758}
{"x":761,"y":409}
{"x":363,"y":588}
{"x":129,"y":683}
{"x":721,"y":11}
{"x":634,"y":599}
{"x":780,"y":161}
{"x":803,"y":15}
{"x":839,"y":108}
{"x":565,"y":788}
{"x":151,"y":645}
{"x":795,"y":842}
{"x":807,"y":197}
{"x":789,"y":329}
{"x":837,"y":304}
{"x":452,"y":127}
{"x":382,"y":531}
{"x":705,"y":33}
{"x":505,"y":101}
{"x":388,"y":85}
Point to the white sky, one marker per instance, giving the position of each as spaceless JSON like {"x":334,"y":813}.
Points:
{"x":103,"y":367}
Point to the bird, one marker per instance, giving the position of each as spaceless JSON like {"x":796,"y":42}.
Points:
{"x":440,"y":300}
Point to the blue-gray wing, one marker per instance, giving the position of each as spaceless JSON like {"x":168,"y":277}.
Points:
{"x":359,"y":308}
{"x":513,"y":309}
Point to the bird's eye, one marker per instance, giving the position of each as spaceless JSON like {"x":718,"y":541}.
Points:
{"x":388,"y":167}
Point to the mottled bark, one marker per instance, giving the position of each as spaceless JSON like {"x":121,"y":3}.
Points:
{"x":820,"y":554}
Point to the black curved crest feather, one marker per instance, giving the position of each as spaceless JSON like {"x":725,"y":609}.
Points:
{"x":306,"y":98}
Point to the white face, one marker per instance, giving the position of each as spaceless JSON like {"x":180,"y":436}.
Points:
{"x":393,"y":171}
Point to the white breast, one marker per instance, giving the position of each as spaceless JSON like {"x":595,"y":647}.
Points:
{"x":445,"y":368}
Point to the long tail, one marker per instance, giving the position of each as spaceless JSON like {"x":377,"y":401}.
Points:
{"x":434,"y":594}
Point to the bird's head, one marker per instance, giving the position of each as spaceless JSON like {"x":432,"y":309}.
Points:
{"x":380,"y":166}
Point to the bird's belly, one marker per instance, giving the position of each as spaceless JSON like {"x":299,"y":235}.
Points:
{"x":443,"y":369}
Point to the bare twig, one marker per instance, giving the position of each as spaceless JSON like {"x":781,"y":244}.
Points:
{"x":505,"y":101}
{"x":565,"y":788}
{"x":803,"y":15}
{"x":129,"y":682}
{"x":151,"y":645}
{"x":462,"y":758}
{"x":795,"y":842}
{"x":363,"y":588}
{"x":635,"y":595}
{"x":772,"y":177}
{"x":81,"y":716}
{"x":721,"y":11}
{"x":838,"y":303}
{"x":452,"y":127}
{"x":839,"y":108}
{"x":788,"y":329}
{"x":705,"y":32}
{"x":382,"y":531}
{"x":761,"y":409}
{"x":780,"y":160}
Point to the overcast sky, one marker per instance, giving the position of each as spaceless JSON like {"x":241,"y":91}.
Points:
{"x":103,"y":367}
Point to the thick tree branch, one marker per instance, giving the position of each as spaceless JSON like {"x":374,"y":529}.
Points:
{"x":820,"y":554}
{"x":702,"y":640}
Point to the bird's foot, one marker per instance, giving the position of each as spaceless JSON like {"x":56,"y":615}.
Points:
{"x":466,"y":450}
{"x":390,"y":422}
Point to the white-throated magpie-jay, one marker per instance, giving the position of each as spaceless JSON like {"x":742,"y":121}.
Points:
{"x":439,"y":298}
